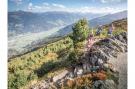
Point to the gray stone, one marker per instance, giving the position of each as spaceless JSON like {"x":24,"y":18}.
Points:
{"x":107,"y":84}
{"x":60,"y":76}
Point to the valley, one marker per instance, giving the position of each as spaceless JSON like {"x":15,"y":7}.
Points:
{"x":23,"y":37}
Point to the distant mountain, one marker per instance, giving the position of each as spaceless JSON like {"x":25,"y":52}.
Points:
{"x":107,"y":18}
{"x":29,"y":30}
{"x":22,"y":22}
{"x":21,"y":44}
{"x":96,"y":21}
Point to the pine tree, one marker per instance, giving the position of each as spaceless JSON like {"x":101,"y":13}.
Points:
{"x":80,"y":30}
{"x":80,"y":34}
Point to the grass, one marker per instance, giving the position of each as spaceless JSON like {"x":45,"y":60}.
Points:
{"x":43,"y":62}
{"x":46,"y":62}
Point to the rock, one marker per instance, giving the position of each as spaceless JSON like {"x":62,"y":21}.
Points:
{"x":60,"y":76}
{"x":94,"y":60}
{"x":70,"y":76}
{"x":79,"y":72}
{"x":86,"y":67}
{"x":113,"y":69}
{"x":114,"y":53}
{"x":100,"y":61}
{"x":34,"y":87}
{"x":41,"y":85}
{"x":95,"y":68}
{"x":97,"y":84}
{"x":106,"y":66}
{"x":44,"y":85}
{"x":107,"y":84}
{"x":120,"y":37}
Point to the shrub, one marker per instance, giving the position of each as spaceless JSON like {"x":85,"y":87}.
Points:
{"x":15,"y":81}
{"x":70,"y":83}
{"x":79,"y":81}
{"x":72,"y":57}
{"x":32,"y":76}
{"x":101,"y":76}
{"x":11,"y":81}
{"x":21,"y":79}
{"x":32,"y":61}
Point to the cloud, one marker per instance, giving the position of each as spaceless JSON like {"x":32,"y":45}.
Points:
{"x":46,"y":4}
{"x":38,"y":7}
{"x":95,"y":10}
{"x":58,"y":5}
{"x":112,"y":1}
{"x":30,"y":6}
{"x":17,"y":1}
{"x":45,"y":7}
{"x":104,"y":1}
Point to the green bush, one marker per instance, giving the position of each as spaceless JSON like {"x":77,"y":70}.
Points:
{"x":11,"y":81}
{"x":72,"y":57}
{"x":32,"y":76}
{"x":80,"y":30}
{"x":15,"y":81}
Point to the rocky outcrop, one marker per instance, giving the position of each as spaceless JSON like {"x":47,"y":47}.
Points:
{"x":107,"y":84}
{"x":107,"y":48}
{"x":94,"y":60}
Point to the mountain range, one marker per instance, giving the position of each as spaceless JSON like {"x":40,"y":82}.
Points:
{"x":23,"y":22}
{"x":27,"y":30}
{"x":106,"y":19}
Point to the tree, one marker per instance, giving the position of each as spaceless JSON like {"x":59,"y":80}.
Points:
{"x":80,"y":30}
{"x":80,"y":34}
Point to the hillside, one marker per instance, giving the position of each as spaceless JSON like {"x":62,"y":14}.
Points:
{"x":37,"y":29}
{"x":108,"y":18}
{"x":37,"y":68}
{"x":34,"y":35}
{"x":103,"y":20}
{"x":93,"y":78}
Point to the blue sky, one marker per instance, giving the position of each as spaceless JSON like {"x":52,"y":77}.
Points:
{"x":83,"y":6}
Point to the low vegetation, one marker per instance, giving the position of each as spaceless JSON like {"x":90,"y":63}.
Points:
{"x":38,"y":63}
{"x":85,"y":80}
{"x":50,"y":59}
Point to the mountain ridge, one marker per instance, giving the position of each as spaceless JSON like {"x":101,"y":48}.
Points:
{"x":21,"y":21}
{"x":97,"y":21}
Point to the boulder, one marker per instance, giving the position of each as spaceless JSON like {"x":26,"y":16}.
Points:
{"x":79,"y":72}
{"x":70,"y":76}
{"x":106,"y":66}
{"x":60,"y":76}
{"x":107,"y":84}
{"x":86,"y":67}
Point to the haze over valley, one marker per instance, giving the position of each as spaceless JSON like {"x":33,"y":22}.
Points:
{"x":28,"y":30}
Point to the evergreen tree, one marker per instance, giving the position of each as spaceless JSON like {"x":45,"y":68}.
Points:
{"x":80,"y":34}
{"x":80,"y":30}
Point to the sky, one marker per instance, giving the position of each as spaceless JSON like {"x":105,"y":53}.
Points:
{"x":82,"y":6}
